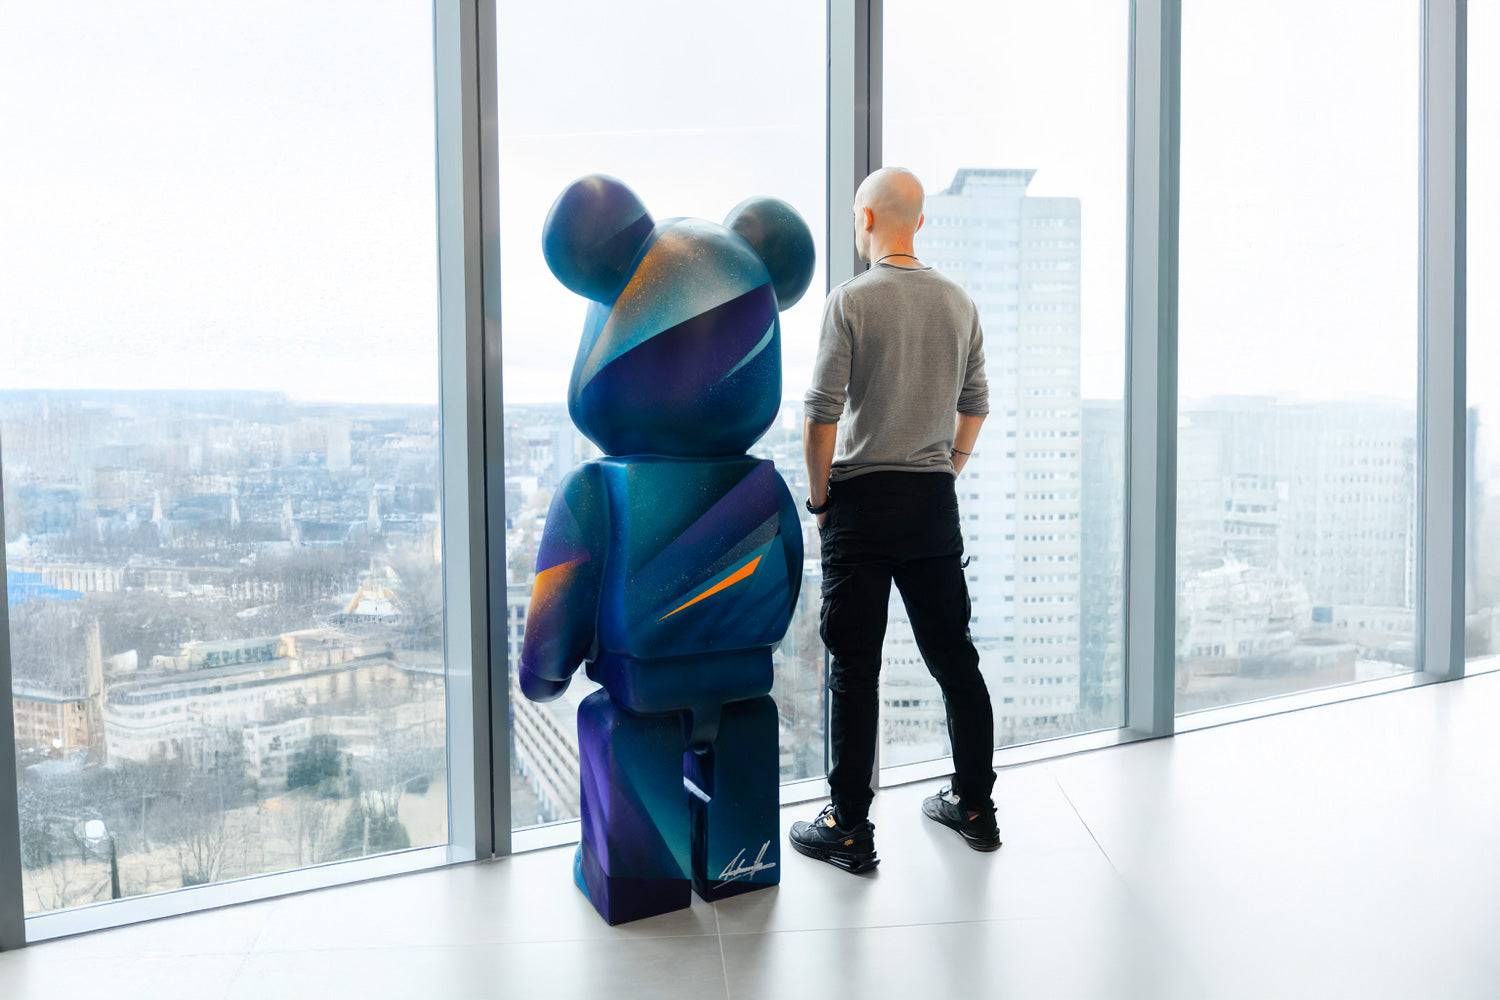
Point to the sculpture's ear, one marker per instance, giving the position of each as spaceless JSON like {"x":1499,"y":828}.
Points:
{"x":592,"y":235}
{"x":782,"y":239}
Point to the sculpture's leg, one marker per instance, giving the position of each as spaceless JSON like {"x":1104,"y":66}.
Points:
{"x":634,"y":853}
{"x":736,"y":802}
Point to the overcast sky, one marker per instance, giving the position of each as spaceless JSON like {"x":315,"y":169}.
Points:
{"x":195,"y":196}
{"x":218,"y":195}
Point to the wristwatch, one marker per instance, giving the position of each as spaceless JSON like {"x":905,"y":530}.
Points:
{"x":818,"y":510}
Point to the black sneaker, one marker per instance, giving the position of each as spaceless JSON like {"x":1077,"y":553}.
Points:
{"x":850,"y":848}
{"x":978,"y":829}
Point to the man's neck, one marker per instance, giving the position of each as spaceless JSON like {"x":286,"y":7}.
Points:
{"x":901,"y":250}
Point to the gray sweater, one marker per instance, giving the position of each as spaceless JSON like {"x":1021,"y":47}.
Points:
{"x":903,"y":348}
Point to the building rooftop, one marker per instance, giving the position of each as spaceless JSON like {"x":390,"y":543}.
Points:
{"x":997,"y":175}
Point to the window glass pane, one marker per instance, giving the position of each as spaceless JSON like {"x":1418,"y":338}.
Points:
{"x":696,"y":107}
{"x":1482,"y":636}
{"x":1014,"y":117}
{"x":1298,"y":294}
{"x":218,"y":402}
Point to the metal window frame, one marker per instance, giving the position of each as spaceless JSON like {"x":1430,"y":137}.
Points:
{"x":12,"y":905}
{"x":487,"y":121}
{"x":1442,"y":385}
{"x":1443,"y":370}
{"x":852,"y":134}
{"x":1151,"y":369}
{"x":472,"y":410}
{"x":855,"y":114}
{"x":476,"y":768}
{"x":855,"y":58}
{"x":472,"y":800}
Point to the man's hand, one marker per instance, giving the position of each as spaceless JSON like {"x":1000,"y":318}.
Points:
{"x":817,"y":450}
{"x":965,"y":433}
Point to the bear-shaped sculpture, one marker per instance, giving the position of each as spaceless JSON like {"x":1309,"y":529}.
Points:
{"x":671,"y":566}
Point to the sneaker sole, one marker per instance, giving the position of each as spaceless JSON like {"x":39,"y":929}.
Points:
{"x":853,"y":864}
{"x":983,"y":845}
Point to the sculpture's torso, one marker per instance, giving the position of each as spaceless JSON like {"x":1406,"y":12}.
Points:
{"x":698,"y":580}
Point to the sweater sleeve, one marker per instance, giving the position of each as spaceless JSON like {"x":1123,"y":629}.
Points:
{"x":974,"y":398}
{"x":824,"y":402}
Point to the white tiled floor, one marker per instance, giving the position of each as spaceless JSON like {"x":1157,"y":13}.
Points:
{"x":1348,"y":851}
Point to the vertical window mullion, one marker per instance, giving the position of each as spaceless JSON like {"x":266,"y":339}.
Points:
{"x":460,"y":305}
{"x":12,"y":906}
{"x":1151,"y":390}
{"x":488,"y":107}
{"x":1443,"y":388}
{"x":854,"y":122}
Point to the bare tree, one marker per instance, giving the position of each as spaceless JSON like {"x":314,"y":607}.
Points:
{"x":398,"y":761}
{"x":69,"y":881}
{"x":202,"y":829}
{"x":307,"y":822}
{"x":201,"y":837}
{"x":419,"y":594}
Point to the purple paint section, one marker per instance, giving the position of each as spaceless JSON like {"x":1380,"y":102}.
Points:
{"x":682,"y":360}
{"x":670,"y":395}
{"x":633,"y":802}
{"x":749,"y":505}
{"x":592,"y":235}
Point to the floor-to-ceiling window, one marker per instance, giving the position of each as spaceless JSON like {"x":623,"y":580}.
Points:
{"x":221,"y":416}
{"x":219,"y":404}
{"x":1297,"y":441}
{"x":1014,"y":117}
{"x":1482,"y":568}
{"x":696,"y":107}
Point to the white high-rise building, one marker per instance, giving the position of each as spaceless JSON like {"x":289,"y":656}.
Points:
{"x":1020,"y":497}
{"x":1325,"y":491}
{"x":1296,"y":541}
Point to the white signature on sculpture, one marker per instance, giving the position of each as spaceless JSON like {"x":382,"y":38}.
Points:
{"x":738,"y":869}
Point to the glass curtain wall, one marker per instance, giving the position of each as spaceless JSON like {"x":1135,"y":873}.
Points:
{"x":219,"y":391}
{"x":1014,"y":116}
{"x":219,"y":407}
{"x":1298,"y":324}
{"x":696,"y":107}
{"x":1482,"y":560}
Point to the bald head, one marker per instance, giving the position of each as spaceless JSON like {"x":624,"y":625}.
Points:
{"x":893,"y":193}
{"x":887,"y":212}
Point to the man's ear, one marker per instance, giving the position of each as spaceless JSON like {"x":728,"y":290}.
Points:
{"x":592,"y":235}
{"x":920,"y":219}
{"x":780,"y":236}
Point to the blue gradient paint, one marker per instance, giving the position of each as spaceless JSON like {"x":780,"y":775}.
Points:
{"x":672,"y":566}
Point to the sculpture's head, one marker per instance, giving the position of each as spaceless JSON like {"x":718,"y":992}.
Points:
{"x":681,"y":348}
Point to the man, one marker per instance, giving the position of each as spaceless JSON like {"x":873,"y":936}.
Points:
{"x":902,"y":349}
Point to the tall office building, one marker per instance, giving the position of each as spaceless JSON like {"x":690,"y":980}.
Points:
{"x":1102,"y":587}
{"x":1020,"y":497}
{"x":1324,"y":491}
{"x":1296,"y":546}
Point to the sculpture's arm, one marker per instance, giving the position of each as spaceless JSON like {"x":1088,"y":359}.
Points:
{"x":791,"y":533}
{"x":561,"y":623}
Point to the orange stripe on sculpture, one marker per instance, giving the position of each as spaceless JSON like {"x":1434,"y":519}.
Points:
{"x":552,"y":580}
{"x":728,"y":581}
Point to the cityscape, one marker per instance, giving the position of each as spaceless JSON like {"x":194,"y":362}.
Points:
{"x":226,"y":636}
{"x":226,"y":608}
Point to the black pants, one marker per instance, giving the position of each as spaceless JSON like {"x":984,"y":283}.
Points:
{"x":901,"y":526}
